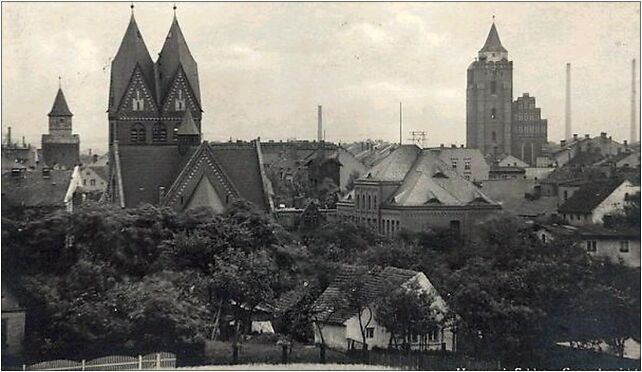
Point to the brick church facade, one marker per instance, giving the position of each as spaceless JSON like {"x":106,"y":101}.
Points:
{"x":495,"y":124}
{"x":60,"y":147}
{"x":156,"y":153}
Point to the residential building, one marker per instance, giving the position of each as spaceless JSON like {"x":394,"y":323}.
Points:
{"x":489,"y":96}
{"x":469,"y":163}
{"x":415,"y":190}
{"x":156,"y":153}
{"x":13,"y":325}
{"x":591,"y":202}
{"x":511,"y":161}
{"x":529,"y":130}
{"x":94,"y":178}
{"x":60,"y":147}
{"x":339,"y":327}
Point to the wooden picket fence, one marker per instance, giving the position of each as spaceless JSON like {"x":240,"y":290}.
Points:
{"x":162,"y":360}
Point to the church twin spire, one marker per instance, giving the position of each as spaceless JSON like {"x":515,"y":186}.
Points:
{"x":159,"y":75}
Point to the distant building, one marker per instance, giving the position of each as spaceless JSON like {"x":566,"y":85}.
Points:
{"x":94,"y":178}
{"x":60,"y":148}
{"x":156,"y":153}
{"x":489,"y":96}
{"x":414,"y":189}
{"x":529,"y":130}
{"x":586,"y":150}
{"x":595,"y":200}
{"x":338,"y":165}
{"x":511,"y":161}
{"x":17,"y":154}
{"x":469,"y":163}
{"x":340,"y":326}
{"x":520,"y":196}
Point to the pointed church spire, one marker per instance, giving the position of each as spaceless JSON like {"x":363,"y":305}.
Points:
{"x":132,"y":51}
{"x":175,"y":53}
{"x":493,"y":48}
{"x":60,"y":107}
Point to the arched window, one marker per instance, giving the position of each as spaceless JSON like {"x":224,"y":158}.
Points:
{"x":175,"y":134}
{"x":494,"y":136}
{"x":159,"y":133}
{"x":369,"y":205}
{"x":137,"y":133}
{"x":493,"y":113}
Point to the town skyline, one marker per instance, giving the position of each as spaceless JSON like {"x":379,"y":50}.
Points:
{"x":260,"y":78}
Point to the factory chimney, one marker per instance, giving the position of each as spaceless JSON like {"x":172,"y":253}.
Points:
{"x":634,"y":132}
{"x":567,"y":121}
{"x":320,"y":125}
{"x":9,"y":136}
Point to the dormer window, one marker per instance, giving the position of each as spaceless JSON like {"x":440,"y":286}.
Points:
{"x":138,"y":103}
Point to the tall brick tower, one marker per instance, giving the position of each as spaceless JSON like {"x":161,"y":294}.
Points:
{"x":489,"y":96}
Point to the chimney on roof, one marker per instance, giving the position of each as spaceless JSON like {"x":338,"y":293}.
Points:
{"x":320,"y":124}
{"x":626,"y":143}
{"x":562,"y":143}
{"x":462,"y":145}
{"x":634,"y":131}
{"x":574,"y":136}
{"x":567,"y":121}
{"x":587,"y":136}
{"x":603,"y":134}
{"x":453,"y":146}
{"x":441,"y":145}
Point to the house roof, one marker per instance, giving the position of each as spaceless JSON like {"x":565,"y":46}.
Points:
{"x":589,"y":196}
{"x":431,"y":181}
{"x":331,"y":304}
{"x":395,"y":166}
{"x":511,"y":195}
{"x":101,"y":171}
{"x":60,"y":107}
{"x":132,"y":52}
{"x":600,"y":231}
{"x":33,"y":190}
{"x":493,"y":44}
{"x":173,"y":54}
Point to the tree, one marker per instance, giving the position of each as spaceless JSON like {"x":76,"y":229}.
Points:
{"x":357,"y":300}
{"x":406,"y":312}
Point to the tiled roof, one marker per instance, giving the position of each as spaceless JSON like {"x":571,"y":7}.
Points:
{"x":173,"y":54}
{"x":144,"y":169}
{"x":132,"y":52}
{"x":589,"y":196}
{"x":34,"y":190}
{"x":396,"y":165}
{"x":331,"y":306}
{"x":60,"y":107}
{"x":240,"y":162}
{"x":430,"y":180}
{"x":493,"y":44}
{"x":510,"y":194}
{"x":599,"y":231}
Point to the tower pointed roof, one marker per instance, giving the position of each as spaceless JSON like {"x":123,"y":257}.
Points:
{"x":493,"y":44}
{"x":132,"y":51}
{"x":188,"y":126}
{"x":60,"y":107}
{"x":175,"y":53}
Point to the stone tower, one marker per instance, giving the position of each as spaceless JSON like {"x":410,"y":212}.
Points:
{"x":60,"y":148}
{"x":489,"y":95}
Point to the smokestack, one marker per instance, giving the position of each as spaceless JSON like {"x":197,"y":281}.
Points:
{"x":24,"y":144}
{"x":567,"y":126}
{"x":634,"y":131}
{"x":400,"y":124}
{"x":320,"y":125}
{"x":9,"y":136}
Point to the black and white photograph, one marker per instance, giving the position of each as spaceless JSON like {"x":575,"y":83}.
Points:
{"x":299,"y":185}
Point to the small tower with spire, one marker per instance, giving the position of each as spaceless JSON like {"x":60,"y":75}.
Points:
{"x":489,"y":95}
{"x":60,"y":147}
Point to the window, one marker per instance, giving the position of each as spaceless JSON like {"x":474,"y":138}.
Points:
{"x":370,"y":332}
{"x":84,"y":182}
{"x":493,"y":135}
{"x":138,"y":103}
{"x":369,"y":205}
{"x":493,"y":113}
{"x":374,"y":202}
{"x":159,"y":133}
{"x":137,"y":133}
{"x":591,"y":246}
{"x":565,"y":195}
{"x":454,"y":163}
{"x":467,"y":164}
{"x":624,"y":246}
{"x":455,"y":227}
{"x":61,"y":120}
{"x":92,"y":182}
{"x":493,"y":87}
{"x":180,"y":102}
{"x":356,"y":198}
{"x":175,"y":134}
{"x":433,"y":334}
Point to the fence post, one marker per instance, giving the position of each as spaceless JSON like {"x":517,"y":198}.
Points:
{"x":140,"y":362}
{"x":82,"y":365}
{"x":158,"y":361}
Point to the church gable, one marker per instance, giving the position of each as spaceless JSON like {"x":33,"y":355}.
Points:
{"x":180,"y":97}
{"x":138,"y":99}
{"x":201,"y":183}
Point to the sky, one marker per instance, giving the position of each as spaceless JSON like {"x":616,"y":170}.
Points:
{"x":265,"y":67}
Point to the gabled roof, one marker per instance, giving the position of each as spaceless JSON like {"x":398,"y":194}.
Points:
{"x":188,"y":127}
{"x":132,"y":51}
{"x":493,"y":44}
{"x":395,"y":166}
{"x":331,"y":304}
{"x":60,"y":107}
{"x":589,"y":196}
{"x":175,"y":53}
{"x":431,"y":181}
{"x":33,"y":190}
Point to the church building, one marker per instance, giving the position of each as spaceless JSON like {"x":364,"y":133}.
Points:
{"x":157,"y":155}
{"x":60,"y":148}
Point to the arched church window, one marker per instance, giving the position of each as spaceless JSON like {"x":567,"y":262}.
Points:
{"x":493,"y":113}
{"x":180,"y":102}
{"x":137,"y":133}
{"x":138,"y":102}
{"x":159,"y":133}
